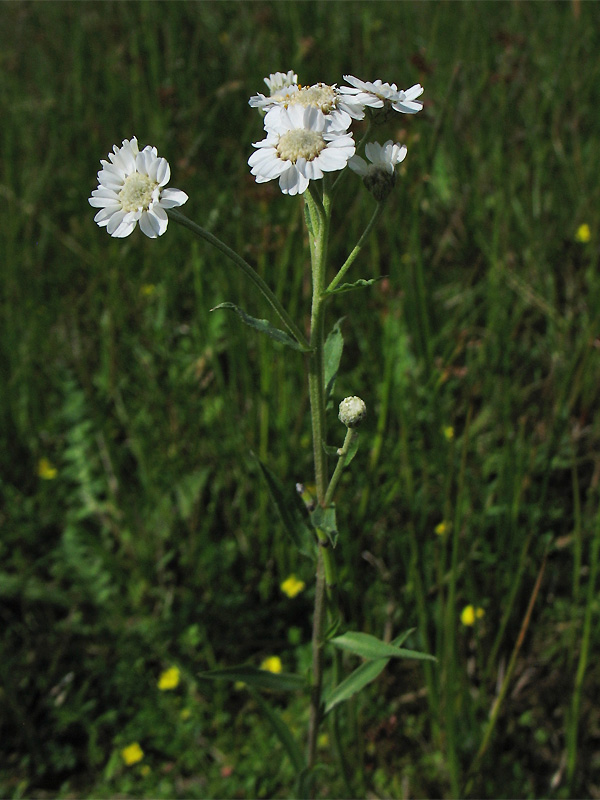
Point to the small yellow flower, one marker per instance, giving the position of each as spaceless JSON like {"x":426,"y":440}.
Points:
{"x":169,"y":679}
{"x":147,"y":289}
{"x":448,"y":432}
{"x":132,"y":754}
{"x":292,"y":586}
{"x":185,"y":713}
{"x":272,"y":664}
{"x":583,"y":233}
{"x":323,"y":740}
{"x":46,"y":470}
{"x":469,"y":614}
{"x":441,"y":528}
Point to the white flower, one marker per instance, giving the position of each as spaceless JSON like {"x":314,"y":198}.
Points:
{"x":380,"y":175}
{"x":382,"y":157}
{"x":327,"y":98}
{"x":378,"y":94}
{"x":279,"y":80}
{"x":130,"y":189}
{"x":300,"y":146}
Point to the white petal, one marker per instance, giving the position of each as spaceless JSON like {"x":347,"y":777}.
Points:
{"x":124,"y":229}
{"x":114,"y":222}
{"x":163,"y":172}
{"x":358,"y":165}
{"x":152,"y":223}
{"x":169,"y":198}
{"x":105,"y":214}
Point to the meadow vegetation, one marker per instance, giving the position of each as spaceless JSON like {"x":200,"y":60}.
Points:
{"x":137,"y":535}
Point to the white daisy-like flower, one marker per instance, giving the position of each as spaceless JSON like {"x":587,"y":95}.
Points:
{"x":377,"y":94}
{"x":327,"y":98}
{"x":130,"y":190}
{"x":300,"y":146}
{"x":280,"y":80}
{"x":380,"y":175}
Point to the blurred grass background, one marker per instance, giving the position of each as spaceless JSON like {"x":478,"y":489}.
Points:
{"x":146,"y":540}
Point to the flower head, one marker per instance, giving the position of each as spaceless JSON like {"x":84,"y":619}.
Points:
{"x":352,"y":411}
{"x":301,"y":144}
{"x":130,"y":190}
{"x":292,"y":586}
{"x":169,"y":679}
{"x":272,"y":664}
{"x":279,"y":80}
{"x":380,"y":175}
{"x":469,"y":614}
{"x":441,"y":529}
{"x":340,"y":108}
{"x":132,"y":754}
{"x":46,"y":470}
{"x":583,"y":233}
{"x":378,"y":94}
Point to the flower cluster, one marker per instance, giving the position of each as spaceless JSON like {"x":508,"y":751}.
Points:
{"x":307,"y":131}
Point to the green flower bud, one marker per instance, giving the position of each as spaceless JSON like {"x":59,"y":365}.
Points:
{"x":352,"y":411}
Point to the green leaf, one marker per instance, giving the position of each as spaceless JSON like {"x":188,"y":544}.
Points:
{"x":331,"y":449}
{"x":359,"y":284}
{"x":332,"y":355}
{"x":282,"y":731}
{"x":259,"y":678}
{"x":324,"y":519}
{"x":263,"y":326}
{"x":360,"y":678}
{"x":292,"y":511}
{"x":352,"y":450}
{"x":367,"y":646}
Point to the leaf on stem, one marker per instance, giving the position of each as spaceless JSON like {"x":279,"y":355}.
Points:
{"x":263,"y":326}
{"x":259,"y":678}
{"x":282,"y":731}
{"x":332,"y":355}
{"x":370,"y":647}
{"x":353,"y":449}
{"x":360,"y":678}
{"x":361,"y":283}
{"x":324,"y":519}
{"x":292,"y":511}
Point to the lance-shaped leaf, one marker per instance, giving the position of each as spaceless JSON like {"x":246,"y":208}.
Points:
{"x":282,"y":731}
{"x":291,"y":510}
{"x":324,"y":519}
{"x":370,"y":647}
{"x":352,"y":450}
{"x":360,"y":678}
{"x":259,"y":678}
{"x":359,"y":284}
{"x":332,"y":355}
{"x":263,"y":326}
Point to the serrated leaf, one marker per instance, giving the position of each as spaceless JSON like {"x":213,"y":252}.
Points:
{"x":370,"y":647}
{"x":324,"y":519}
{"x":291,"y":510}
{"x":263,"y":326}
{"x":259,"y":678}
{"x":332,"y":355}
{"x":282,"y":731}
{"x":361,"y":283}
{"x":360,"y":678}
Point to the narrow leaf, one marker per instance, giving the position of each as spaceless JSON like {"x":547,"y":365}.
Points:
{"x":367,"y":646}
{"x":292,"y":511}
{"x":352,"y":450}
{"x":360,"y":678}
{"x":263,"y":326}
{"x":332,"y":354}
{"x":359,"y":284}
{"x":259,"y":678}
{"x":282,"y":731}
{"x":324,"y":519}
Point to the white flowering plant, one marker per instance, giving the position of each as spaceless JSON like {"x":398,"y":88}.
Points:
{"x":309,"y":148}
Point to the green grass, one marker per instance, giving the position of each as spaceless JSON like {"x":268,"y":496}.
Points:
{"x":156,"y":543}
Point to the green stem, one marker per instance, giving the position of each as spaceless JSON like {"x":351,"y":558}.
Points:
{"x":351,"y":434}
{"x":351,"y":258}
{"x":202,"y":233}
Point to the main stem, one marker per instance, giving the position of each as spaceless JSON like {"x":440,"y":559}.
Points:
{"x":318,"y":210}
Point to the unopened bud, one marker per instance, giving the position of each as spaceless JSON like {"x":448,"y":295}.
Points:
{"x":352,"y":411}
{"x":379,"y":182}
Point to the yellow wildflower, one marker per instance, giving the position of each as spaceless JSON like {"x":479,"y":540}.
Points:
{"x":469,"y":614}
{"x":147,"y":289}
{"x":448,"y":432}
{"x":272,"y":664}
{"x":292,"y":586}
{"x":583,"y":233}
{"x":132,"y":754}
{"x":185,"y":713}
{"x":46,"y":470}
{"x":169,"y":679}
{"x":441,"y":528}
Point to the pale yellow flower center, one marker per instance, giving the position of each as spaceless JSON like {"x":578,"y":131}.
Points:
{"x":320,"y":95}
{"x":138,"y":192}
{"x":300,"y":143}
